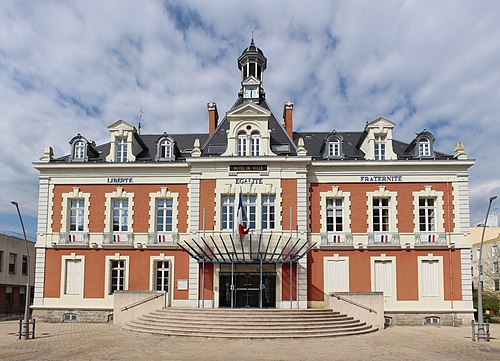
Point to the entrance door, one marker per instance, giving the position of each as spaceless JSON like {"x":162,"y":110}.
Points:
{"x":246,"y":289}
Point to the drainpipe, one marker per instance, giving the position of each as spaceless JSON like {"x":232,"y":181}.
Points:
{"x":449,"y":252}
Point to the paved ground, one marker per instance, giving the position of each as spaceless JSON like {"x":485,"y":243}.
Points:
{"x":107,"y":342}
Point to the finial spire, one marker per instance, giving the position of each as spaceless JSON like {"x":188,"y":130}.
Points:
{"x":251,"y":43}
{"x":140,"y":119}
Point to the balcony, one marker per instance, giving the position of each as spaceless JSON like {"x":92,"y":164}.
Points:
{"x":162,"y":238}
{"x":430,"y":239}
{"x":118,"y":238}
{"x":74,"y":238}
{"x":383,"y":239}
{"x":336,"y":239}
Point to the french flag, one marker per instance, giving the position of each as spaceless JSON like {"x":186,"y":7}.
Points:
{"x":241,"y":218}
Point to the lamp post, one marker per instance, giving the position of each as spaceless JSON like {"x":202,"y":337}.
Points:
{"x":26,"y":325}
{"x":480,"y":320}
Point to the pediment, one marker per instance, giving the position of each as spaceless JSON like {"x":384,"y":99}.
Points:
{"x":249,"y":109}
{"x":380,"y":122}
{"x":120,"y":125}
{"x":251,"y":80}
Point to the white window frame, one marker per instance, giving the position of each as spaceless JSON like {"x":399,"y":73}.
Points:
{"x":424,"y":147}
{"x":230,"y":215}
{"x":382,"y":192}
{"x":118,"y":194}
{"x":380,"y":147}
{"x":384,"y":258}
{"x":334,"y":148}
{"x":429,"y":214}
{"x":164,"y":193}
{"x":79,"y":150}
{"x":242,"y":144}
{"x":107,"y":276}
{"x":79,"y":214}
{"x":122,"y":206}
{"x":327,"y":276}
{"x":152,"y":275}
{"x":255,"y":144}
{"x":440,"y":286}
{"x":335,"y":192}
{"x":72,"y":257}
{"x":250,"y":208}
{"x":438,"y":196}
{"x":122,"y":150}
{"x":268,"y":205}
{"x":334,"y":207}
{"x":66,"y":208}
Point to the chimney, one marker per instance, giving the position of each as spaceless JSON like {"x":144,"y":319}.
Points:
{"x":287,"y":116}
{"x":213,"y":117}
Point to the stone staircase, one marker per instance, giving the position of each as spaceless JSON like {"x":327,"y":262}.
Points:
{"x":248,"y":323}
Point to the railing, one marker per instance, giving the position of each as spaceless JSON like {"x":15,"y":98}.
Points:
{"x":125,"y":238}
{"x":338,"y":297}
{"x":163,"y":237}
{"x":383,"y":238}
{"x":77,"y":238}
{"x":336,"y":238}
{"x":140,"y":302}
{"x":430,"y":238}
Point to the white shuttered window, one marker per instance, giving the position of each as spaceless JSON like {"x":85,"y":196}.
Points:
{"x":337,"y":275}
{"x":383,"y":277}
{"x":430,"y":278}
{"x":74,"y":277}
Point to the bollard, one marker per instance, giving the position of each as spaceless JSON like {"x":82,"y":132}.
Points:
{"x":473,"y":330}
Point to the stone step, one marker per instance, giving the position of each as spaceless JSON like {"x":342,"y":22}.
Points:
{"x":247,"y":323}
{"x":262,"y":327}
{"x":281,"y":335}
{"x":176,"y":318}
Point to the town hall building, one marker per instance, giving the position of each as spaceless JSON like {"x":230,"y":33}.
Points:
{"x":255,"y":214}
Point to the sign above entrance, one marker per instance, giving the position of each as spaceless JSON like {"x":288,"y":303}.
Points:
{"x":120,"y":180}
{"x":248,"y":168}
{"x":382,"y":178}
{"x":249,"y":181}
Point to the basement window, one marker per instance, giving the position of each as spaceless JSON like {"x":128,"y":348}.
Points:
{"x":432,"y":320}
{"x":387,"y":321}
{"x":69,"y":317}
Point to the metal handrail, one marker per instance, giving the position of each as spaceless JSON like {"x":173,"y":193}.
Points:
{"x":140,"y":302}
{"x":353,"y":303}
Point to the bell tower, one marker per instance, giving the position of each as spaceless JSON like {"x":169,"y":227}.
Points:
{"x":252,"y":64}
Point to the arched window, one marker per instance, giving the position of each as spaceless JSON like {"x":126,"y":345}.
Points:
{"x":334,"y":148}
{"x":166,"y":149}
{"x":242,"y":144}
{"x":424,"y":147}
{"x":79,"y":150}
{"x":255,"y":146}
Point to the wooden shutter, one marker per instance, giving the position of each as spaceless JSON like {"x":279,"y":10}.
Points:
{"x":430,"y":278}
{"x":337,"y":276}
{"x":383,"y":277}
{"x":73,"y":277}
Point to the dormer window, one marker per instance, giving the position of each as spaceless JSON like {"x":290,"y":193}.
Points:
{"x":334,"y":148}
{"x":79,"y":150}
{"x":380,"y":147}
{"x":165,"y":148}
{"x":121,"y":150}
{"x":251,"y":92}
{"x":255,"y":146}
{"x":424,"y":147}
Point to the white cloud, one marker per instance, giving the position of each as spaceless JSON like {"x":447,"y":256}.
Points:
{"x":76,"y":67}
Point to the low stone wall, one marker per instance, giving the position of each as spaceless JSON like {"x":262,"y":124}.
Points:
{"x":374,"y":301}
{"x":418,"y":318}
{"x":82,"y":315}
{"x":129,"y":305}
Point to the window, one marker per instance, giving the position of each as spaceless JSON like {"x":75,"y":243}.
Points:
{"x":12,"y":263}
{"x":380,"y":144}
{"x":242,"y":144}
{"x":227,"y":212}
{"x":121,"y":150}
{"x":383,"y":277}
{"x":430,"y":278}
{"x":334,"y":148}
{"x":250,"y":205}
{"x":496,"y":269}
{"x":165,"y":149}
{"x":162,"y":271}
{"x":164,"y":212}
{"x":426,"y":212}
{"x":70,"y":317}
{"x":424,"y":147}
{"x":381,"y":214}
{"x":9,"y":297}
{"x":117,"y":276}
{"x":1,"y":261}
{"x":268,"y":211}
{"x":22,"y":296}
{"x":74,"y":274}
{"x":76,"y":215}
{"x":431,"y":320}
{"x":24,"y":265}
{"x":497,"y":285}
{"x":334,"y":215}
{"x":79,"y":150}
{"x":120,"y":215}
{"x":255,"y":145}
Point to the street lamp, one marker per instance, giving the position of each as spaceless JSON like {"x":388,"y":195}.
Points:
{"x":480,"y":327}
{"x":26,"y":325}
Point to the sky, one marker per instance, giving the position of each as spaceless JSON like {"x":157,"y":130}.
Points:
{"x":69,"y":67}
